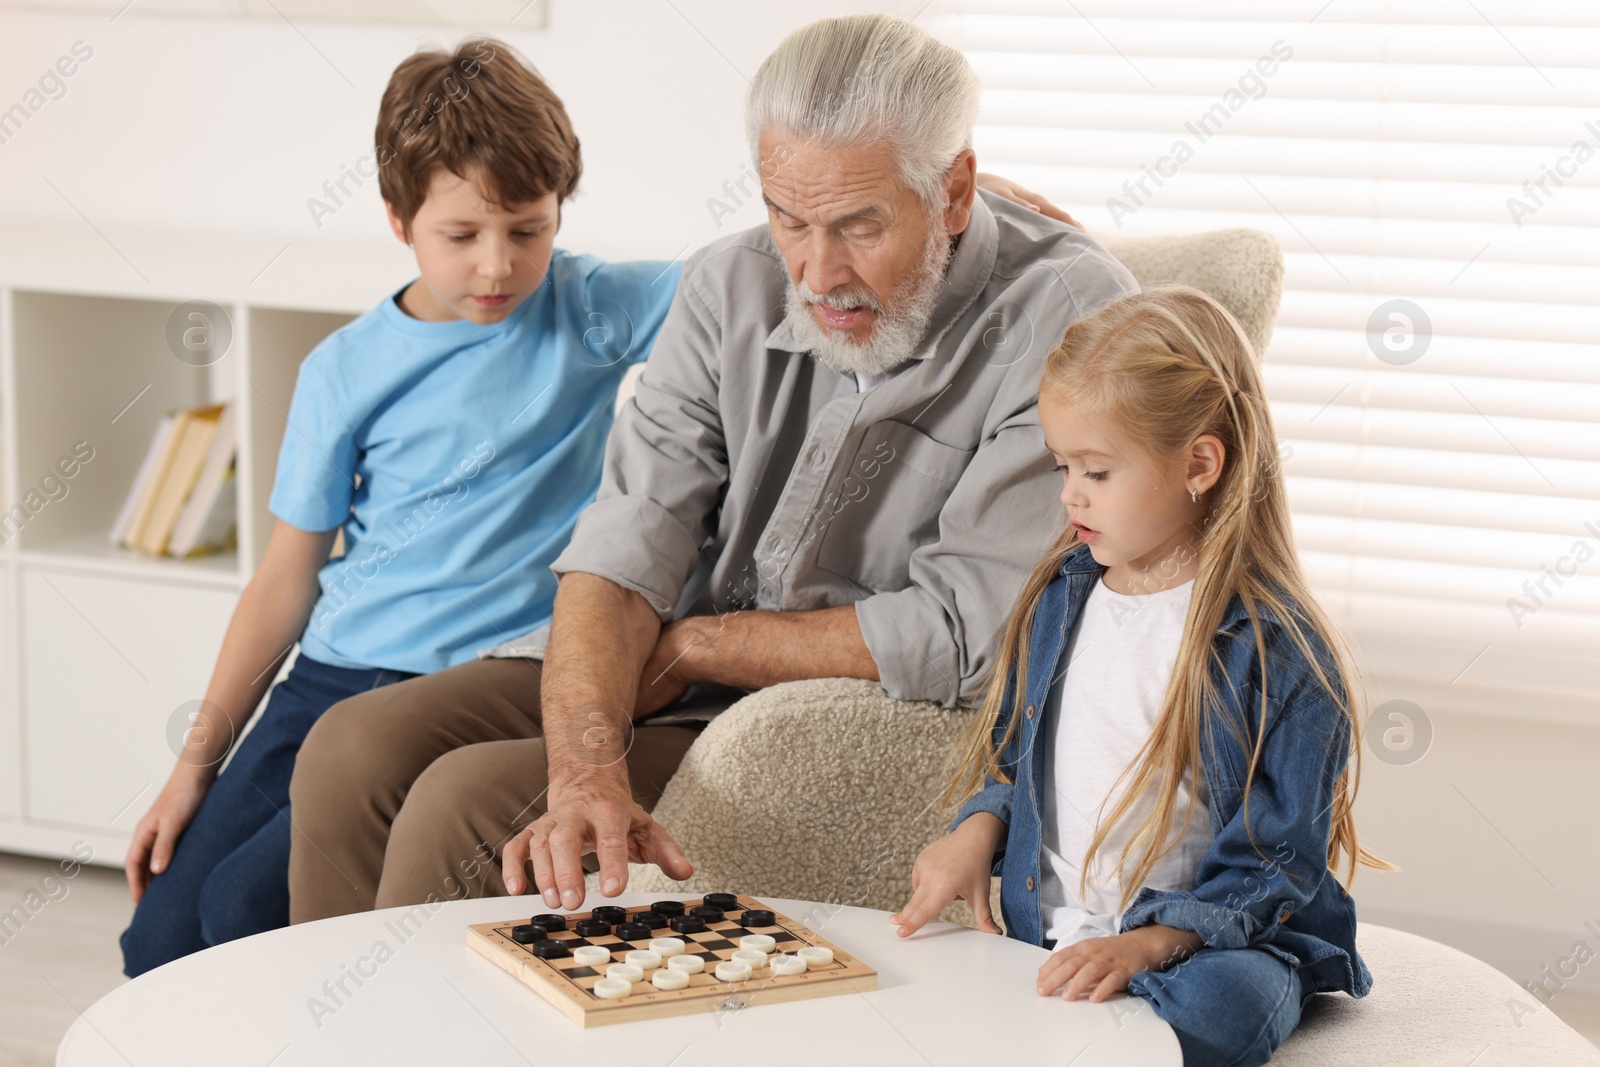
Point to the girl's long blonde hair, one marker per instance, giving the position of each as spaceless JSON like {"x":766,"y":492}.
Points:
{"x":1168,"y":365}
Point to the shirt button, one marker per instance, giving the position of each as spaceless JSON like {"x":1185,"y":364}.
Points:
{"x":1030,"y":711}
{"x":817,"y":456}
{"x":1283,"y":916}
{"x":1030,"y":883}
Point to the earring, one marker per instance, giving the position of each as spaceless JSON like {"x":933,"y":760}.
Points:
{"x":1194,"y":498}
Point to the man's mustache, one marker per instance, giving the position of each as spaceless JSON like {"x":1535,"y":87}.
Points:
{"x":840,"y":299}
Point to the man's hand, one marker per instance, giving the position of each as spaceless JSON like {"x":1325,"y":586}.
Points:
{"x":1101,"y":966}
{"x":669,"y":670}
{"x":1026,"y":197}
{"x":599,"y":818}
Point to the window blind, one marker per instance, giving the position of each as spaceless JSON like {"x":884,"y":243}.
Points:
{"x":1432,"y":171}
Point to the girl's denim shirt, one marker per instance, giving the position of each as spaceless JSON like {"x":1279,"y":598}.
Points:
{"x":1277,"y":893}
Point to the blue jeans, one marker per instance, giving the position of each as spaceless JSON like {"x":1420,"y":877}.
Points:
{"x":1229,"y":1007}
{"x":229,"y":875}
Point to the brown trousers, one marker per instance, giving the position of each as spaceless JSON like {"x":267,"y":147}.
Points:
{"x":407,"y":793}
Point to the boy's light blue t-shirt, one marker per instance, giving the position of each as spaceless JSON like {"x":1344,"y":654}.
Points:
{"x":457,"y":457}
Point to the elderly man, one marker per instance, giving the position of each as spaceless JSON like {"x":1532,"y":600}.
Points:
{"x":832,"y":467}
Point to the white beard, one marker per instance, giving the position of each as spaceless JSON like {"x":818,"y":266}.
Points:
{"x":896,"y":333}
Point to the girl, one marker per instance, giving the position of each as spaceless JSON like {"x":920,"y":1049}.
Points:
{"x":1158,"y":772}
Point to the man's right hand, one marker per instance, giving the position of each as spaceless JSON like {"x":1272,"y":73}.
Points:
{"x":605,"y":820}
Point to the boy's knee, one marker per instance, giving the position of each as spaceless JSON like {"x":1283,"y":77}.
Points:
{"x":248,"y":892}
{"x":163,"y":929}
{"x":231,"y":909}
{"x":145,"y":947}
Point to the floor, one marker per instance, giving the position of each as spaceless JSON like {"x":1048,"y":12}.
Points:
{"x":65,"y":956}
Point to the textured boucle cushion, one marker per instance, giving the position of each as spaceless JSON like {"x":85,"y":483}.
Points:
{"x":819,"y":790}
{"x":1242,"y":269}
{"x":1431,"y":1004}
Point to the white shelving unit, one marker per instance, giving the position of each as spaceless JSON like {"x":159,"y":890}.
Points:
{"x":99,"y":647}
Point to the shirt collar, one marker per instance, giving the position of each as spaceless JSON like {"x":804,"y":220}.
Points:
{"x":969,"y":271}
{"x":1081,"y":561}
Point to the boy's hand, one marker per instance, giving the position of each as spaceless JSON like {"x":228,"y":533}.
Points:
{"x":1026,"y":197}
{"x":955,"y":867}
{"x":156,"y":835}
{"x":1101,"y":966}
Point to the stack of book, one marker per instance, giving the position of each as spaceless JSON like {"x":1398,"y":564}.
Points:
{"x":183,"y":502}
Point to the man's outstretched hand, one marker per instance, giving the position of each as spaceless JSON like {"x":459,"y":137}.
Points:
{"x":605,"y":821}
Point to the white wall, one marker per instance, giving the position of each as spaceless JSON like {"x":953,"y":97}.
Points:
{"x":1494,"y":831}
{"x":218,"y":126}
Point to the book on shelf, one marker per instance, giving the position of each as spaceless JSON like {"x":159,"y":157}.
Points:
{"x":183,"y":501}
{"x":209,"y":519}
{"x":133,"y":505}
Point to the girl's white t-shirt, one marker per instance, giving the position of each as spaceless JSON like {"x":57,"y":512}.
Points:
{"x":1099,"y":713}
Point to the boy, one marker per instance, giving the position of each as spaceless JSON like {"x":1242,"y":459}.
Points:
{"x":453,"y":433}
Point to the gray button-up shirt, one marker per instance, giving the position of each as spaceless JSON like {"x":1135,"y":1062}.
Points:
{"x":746,"y":474}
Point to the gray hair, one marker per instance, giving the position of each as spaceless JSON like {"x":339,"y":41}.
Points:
{"x":869,"y":78}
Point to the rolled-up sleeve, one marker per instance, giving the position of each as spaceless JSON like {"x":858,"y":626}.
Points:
{"x":935,"y":639}
{"x":666,"y":466}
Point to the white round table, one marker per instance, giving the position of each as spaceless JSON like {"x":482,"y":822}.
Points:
{"x":402,"y":987}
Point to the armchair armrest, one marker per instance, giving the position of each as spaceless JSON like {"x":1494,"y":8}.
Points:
{"x":818,"y":790}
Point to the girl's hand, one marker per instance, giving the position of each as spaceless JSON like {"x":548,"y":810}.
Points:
{"x":157,"y":833}
{"x":955,"y":867}
{"x":1101,"y":966}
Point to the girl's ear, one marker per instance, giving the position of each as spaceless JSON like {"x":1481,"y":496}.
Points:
{"x":1206,"y":456}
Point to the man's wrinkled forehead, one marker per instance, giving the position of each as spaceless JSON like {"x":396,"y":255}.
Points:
{"x":830,"y":186}
{"x":869,"y":212}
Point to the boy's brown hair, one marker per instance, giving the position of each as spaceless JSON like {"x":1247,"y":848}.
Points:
{"x":483,"y":108}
